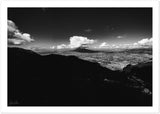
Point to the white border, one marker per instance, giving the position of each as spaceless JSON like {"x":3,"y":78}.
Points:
{"x":78,"y":3}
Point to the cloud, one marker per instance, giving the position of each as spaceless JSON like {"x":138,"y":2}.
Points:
{"x":77,"y":41}
{"x":23,"y":36}
{"x":62,"y":46}
{"x":15,"y":41}
{"x":12,"y":27}
{"x":110,"y":46}
{"x":113,"y":46}
{"x":144,"y":42}
{"x":53,"y":47}
{"x":15,"y":37}
{"x":88,"y":30}
{"x":120,"y":37}
{"x":103,"y":44}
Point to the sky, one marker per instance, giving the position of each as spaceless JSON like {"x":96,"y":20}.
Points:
{"x":51,"y":27}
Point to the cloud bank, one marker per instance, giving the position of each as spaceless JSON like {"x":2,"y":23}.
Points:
{"x":76,"y":41}
{"x":62,"y":46}
{"x":144,"y":43}
{"x":15,"y":37}
{"x":102,"y":45}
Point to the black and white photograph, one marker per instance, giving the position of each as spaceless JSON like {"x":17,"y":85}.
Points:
{"x":79,"y":56}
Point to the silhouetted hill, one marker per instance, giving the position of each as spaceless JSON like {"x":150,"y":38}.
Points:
{"x":141,"y":70}
{"x":56,"y":80}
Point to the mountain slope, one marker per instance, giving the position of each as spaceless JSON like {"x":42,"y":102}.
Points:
{"x":56,"y":80}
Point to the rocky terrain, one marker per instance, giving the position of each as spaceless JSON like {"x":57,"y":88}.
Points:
{"x":78,"y":79}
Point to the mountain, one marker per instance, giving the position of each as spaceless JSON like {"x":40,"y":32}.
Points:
{"x":84,"y":50}
{"x":141,"y":75}
{"x":139,"y":50}
{"x":56,"y":80}
{"x":141,"y":70}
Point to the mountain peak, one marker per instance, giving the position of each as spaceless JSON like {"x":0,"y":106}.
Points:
{"x":84,"y":49}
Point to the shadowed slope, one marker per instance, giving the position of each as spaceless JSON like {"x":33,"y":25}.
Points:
{"x":55,"y":80}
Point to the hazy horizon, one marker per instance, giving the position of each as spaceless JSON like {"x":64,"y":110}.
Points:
{"x":70,"y":27}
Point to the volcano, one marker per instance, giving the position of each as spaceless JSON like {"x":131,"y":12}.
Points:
{"x":84,"y":49}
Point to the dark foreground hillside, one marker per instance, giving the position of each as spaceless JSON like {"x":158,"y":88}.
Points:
{"x":55,"y":80}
